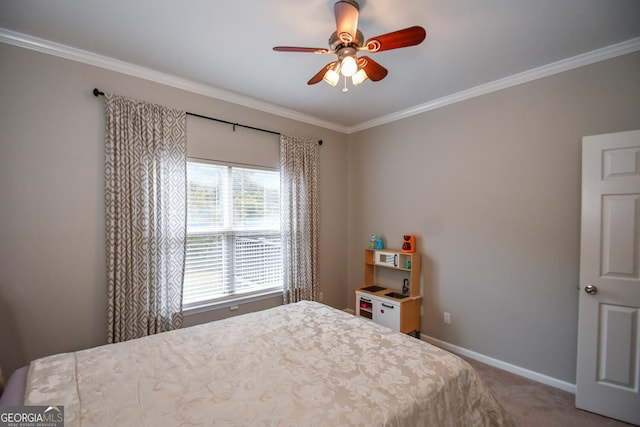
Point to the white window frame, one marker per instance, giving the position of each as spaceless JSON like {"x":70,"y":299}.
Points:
{"x":230,"y":234}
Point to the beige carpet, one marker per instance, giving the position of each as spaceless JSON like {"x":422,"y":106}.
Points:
{"x":532,"y":404}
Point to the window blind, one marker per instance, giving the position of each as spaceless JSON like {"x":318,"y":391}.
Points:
{"x":233,"y":232}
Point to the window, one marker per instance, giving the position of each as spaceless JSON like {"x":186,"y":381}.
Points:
{"x":233,"y":232}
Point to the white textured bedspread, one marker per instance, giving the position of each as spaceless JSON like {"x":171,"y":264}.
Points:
{"x":302,"y":364}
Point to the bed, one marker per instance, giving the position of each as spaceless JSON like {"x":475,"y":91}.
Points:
{"x":303,"y":364}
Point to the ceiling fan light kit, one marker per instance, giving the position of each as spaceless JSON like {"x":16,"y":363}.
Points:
{"x":347,"y":41}
{"x":332,"y":76}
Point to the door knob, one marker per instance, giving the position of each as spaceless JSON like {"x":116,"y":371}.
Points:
{"x":591,"y":290}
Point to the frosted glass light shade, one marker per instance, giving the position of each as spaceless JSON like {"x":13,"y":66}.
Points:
{"x":359,"y":77}
{"x":331,"y":77}
{"x":349,"y":66}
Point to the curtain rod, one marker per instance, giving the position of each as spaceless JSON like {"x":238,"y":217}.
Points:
{"x":97,"y":92}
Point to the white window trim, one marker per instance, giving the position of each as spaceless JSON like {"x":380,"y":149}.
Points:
{"x":230,"y":302}
{"x":239,"y":299}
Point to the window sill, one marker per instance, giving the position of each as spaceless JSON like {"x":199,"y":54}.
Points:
{"x":194,"y":309}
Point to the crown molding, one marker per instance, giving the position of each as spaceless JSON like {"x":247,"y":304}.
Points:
{"x":90,"y":58}
{"x":597,"y":55}
{"x":79,"y":55}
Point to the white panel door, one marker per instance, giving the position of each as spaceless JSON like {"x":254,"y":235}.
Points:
{"x":608,"y":366}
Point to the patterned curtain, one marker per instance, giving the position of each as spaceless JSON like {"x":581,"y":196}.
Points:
{"x":300,"y":217}
{"x":145,"y":197}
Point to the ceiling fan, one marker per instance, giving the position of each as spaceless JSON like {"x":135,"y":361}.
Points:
{"x":348,"y":40}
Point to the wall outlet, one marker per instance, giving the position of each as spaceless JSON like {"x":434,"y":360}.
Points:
{"x":447,"y":318}
{"x":321,"y":296}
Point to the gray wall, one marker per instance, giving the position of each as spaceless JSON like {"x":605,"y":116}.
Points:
{"x":492,"y":188}
{"x":52,"y":257}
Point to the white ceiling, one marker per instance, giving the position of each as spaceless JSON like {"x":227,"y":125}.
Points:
{"x":226,"y":46}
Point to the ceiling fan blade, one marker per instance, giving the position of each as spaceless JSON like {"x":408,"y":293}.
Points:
{"x":301,"y":49}
{"x":346,"y":12}
{"x":402,"y":38}
{"x":319,"y":76}
{"x":375,"y":71}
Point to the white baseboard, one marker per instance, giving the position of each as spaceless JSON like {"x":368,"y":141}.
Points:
{"x":526,"y":373}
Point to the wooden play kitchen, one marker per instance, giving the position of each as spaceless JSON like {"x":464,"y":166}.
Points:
{"x":394,"y":308}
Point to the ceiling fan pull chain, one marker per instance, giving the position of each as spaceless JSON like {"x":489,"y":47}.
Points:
{"x":345,"y":89}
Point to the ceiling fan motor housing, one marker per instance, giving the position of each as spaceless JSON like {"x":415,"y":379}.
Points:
{"x":336,"y":43}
